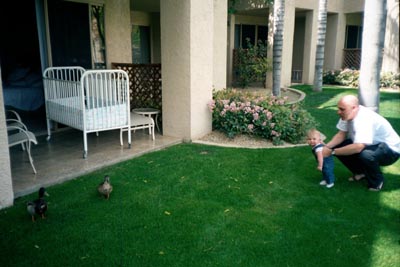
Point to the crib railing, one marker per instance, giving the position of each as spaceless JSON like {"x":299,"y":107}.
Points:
{"x":91,"y":101}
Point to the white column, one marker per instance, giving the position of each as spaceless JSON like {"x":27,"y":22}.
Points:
{"x":118,"y":31}
{"x":334,"y":44}
{"x":310,"y":46}
{"x":220,"y":43}
{"x":391,"y":46}
{"x":187,"y":66}
{"x":6,"y":188}
{"x":287,"y":52}
{"x":230,"y":47}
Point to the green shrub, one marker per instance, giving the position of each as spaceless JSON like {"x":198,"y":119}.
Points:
{"x":329,"y":77}
{"x":270,"y":117}
{"x":349,"y":77}
{"x":390,"y":80}
{"x":253,"y":63}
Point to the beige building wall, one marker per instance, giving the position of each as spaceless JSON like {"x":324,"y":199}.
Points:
{"x":151,"y":19}
{"x":311,"y":25}
{"x":287,"y":50}
{"x":340,"y":14}
{"x":334,"y":41}
{"x":353,"y":6}
{"x":187,"y":58}
{"x":230,"y":47}
{"x":220,"y":48}
{"x":155,"y":38}
{"x":6,"y":188}
{"x":118,"y":31}
{"x":391,"y":46}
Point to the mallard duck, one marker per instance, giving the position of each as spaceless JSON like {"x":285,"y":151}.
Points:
{"x":105,"y":188}
{"x":38,"y":206}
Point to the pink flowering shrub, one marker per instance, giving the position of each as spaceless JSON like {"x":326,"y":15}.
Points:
{"x":235,"y":112}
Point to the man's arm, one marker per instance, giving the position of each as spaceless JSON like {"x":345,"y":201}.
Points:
{"x":338,"y":138}
{"x":342,"y":151}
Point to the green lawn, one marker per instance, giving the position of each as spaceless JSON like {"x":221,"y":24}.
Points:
{"x":196,"y":205}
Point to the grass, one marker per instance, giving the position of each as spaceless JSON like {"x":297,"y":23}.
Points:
{"x":196,"y":205}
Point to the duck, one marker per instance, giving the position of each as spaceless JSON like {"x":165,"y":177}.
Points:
{"x":105,"y":188}
{"x":38,"y":206}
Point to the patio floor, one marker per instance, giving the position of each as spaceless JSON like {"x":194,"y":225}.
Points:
{"x":61,"y":158}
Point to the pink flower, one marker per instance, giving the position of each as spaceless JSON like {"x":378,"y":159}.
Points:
{"x":211,"y":105}
{"x":250,"y":127}
{"x":275,"y":133}
{"x":255,"y":116}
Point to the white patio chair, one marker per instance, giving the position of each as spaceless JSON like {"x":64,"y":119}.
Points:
{"x":22,"y":136}
{"x":13,"y":119}
{"x":139,"y":122}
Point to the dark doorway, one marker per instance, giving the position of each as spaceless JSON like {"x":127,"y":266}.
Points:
{"x":20,"y":63}
{"x":19,"y":45}
{"x":70,"y":34}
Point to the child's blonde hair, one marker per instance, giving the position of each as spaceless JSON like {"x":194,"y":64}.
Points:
{"x":314,"y":131}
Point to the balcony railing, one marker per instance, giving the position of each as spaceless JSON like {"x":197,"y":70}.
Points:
{"x":145,"y":84}
{"x":351,"y":58}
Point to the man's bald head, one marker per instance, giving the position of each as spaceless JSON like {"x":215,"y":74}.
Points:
{"x":349,"y":100}
{"x":348,"y":107}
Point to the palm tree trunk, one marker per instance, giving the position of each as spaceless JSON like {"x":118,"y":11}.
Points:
{"x":279,"y":10}
{"x":319,"y":58}
{"x":372,"y":52}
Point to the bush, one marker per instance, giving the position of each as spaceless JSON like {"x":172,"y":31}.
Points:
{"x":253,"y":63}
{"x":235,"y":112}
{"x":329,"y":77}
{"x":390,"y":80}
{"x":349,"y":77}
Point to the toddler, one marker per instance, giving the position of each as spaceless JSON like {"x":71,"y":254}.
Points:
{"x":315,"y":140}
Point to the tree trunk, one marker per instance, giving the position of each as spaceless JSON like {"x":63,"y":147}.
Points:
{"x":279,"y":10}
{"x":372,"y":52}
{"x":319,"y":57}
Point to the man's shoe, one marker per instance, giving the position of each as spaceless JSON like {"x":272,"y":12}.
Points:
{"x":376,"y":189}
{"x":323,"y":182}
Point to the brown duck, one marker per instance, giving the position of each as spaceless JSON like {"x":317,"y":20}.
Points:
{"x":105,"y":188}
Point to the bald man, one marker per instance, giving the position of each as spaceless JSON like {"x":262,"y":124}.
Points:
{"x":365,"y":142}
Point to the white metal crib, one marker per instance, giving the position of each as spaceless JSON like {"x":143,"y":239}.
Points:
{"x":90,"y":101}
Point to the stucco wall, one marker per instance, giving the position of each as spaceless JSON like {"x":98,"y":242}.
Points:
{"x":220,"y":47}
{"x":187,"y":60}
{"x":252,"y":20}
{"x":118,"y":32}
{"x":155,"y":38}
{"x":298,"y":44}
{"x":391,"y":48}
{"x":6,"y":188}
{"x":353,"y":6}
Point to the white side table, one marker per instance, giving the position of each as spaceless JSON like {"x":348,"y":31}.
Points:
{"x":148,"y":112}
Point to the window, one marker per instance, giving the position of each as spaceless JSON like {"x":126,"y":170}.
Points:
{"x":76,"y":34}
{"x":243,"y":31}
{"x":353,"y":36}
{"x":141,"y":44}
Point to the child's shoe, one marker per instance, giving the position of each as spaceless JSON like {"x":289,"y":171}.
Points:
{"x":330,"y":185}
{"x":323,"y":182}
